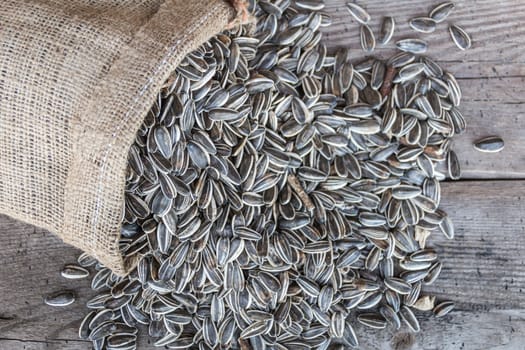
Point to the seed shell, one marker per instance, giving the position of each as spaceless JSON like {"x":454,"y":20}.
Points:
{"x":358,"y":13}
{"x":460,"y":37}
{"x":441,"y":11}
{"x":61,"y":298}
{"x":416,"y":46}
{"x":387,"y":30}
{"x":423,"y":24}
{"x":490,"y":144}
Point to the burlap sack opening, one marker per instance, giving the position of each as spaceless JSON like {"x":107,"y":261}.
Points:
{"x":76,"y":80}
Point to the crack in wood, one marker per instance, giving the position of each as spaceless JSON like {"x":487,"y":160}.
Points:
{"x":46,"y":341}
{"x":7,"y":318}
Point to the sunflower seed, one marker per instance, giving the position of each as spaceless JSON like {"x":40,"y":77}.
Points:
{"x":61,"y":298}
{"x":441,"y":11}
{"x":358,"y":13}
{"x":410,"y":319}
{"x":413,"y":296}
{"x":387,"y":30}
{"x":447,"y":228}
{"x":337,"y":324}
{"x":454,"y":170}
{"x":405,"y":191}
{"x":255,"y":329}
{"x":390,"y":316}
{"x":103,"y":330}
{"x":409,"y":71}
{"x":491,"y":144}
{"x":308,"y":286}
{"x":443,"y":308}
{"x":163,"y":141}
{"x":398,"y":285}
{"x":416,"y":46}
{"x":71,"y":271}
{"x":368,"y":41}
{"x":335,"y":140}
{"x":411,"y":265}
{"x":86,"y":260}
{"x":223,"y":114}
{"x":372,"y":320}
{"x":460,"y":37}
{"x":349,"y":335}
{"x":423,"y":24}
{"x":312,"y":5}
{"x":121,"y":341}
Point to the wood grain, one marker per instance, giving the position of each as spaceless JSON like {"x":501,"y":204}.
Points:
{"x":483,"y":273}
{"x":495,"y":27}
{"x":491,"y":73}
{"x":486,"y":119}
{"x":483,"y":267}
{"x":483,"y":264}
{"x":12,"y":344}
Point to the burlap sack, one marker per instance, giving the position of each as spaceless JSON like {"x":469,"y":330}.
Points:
{"x":76,"y":79}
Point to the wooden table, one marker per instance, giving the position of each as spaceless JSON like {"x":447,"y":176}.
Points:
{"x":484,"y":267}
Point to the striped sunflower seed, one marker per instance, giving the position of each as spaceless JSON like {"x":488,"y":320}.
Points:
{"x":423,"y":24}
{"x":61,"y":298}
{"x":358,"y":13}
{"x":441,"y":11}
{"x":387,"y":30}
{"x":409,"y":318}
{"x":490,"y":144}
{"x":460,"y":37}
{"x":372,"y":320}
{"x":71,"y":271}
{"x":412,"y":45}
{"x":443,"y":308}
{"x":368,"y":41}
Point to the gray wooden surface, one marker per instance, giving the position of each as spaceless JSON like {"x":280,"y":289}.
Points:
{"x":484,"y":270}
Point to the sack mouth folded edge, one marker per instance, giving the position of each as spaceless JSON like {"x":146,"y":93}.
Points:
{"x":224,"y":15}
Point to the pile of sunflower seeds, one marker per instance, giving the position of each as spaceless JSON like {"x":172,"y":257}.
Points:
{"x":277,"y":194}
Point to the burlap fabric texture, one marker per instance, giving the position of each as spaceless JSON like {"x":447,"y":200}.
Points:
{"x":76,"y":80}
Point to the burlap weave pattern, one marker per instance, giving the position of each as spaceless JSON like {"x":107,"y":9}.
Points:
{"x":76,"y":80}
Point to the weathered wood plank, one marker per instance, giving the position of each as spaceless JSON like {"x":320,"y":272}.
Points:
{"x":502,"y":90}
{"x":495,"y":330}
{"x":473,"y":68}
{"x":483,"y":273}
{"x":10,"y":344}
{"x":496,"y":29}
{"x":30,"y":262}
{"x":472,"y":330}
{"x":483,"y":270}
{"x":483,"y":266}
{"x":491,"y":73}
{"x":486,"y":119}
